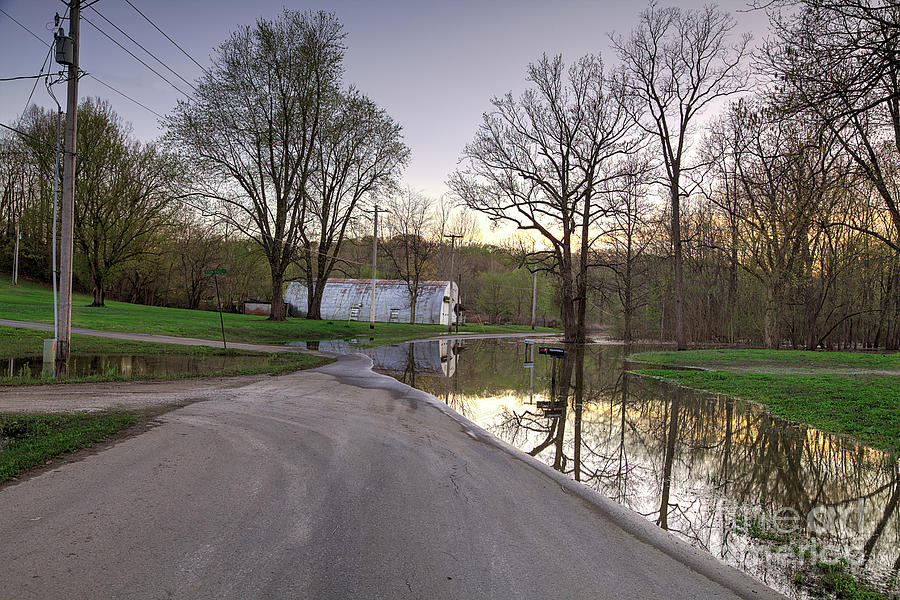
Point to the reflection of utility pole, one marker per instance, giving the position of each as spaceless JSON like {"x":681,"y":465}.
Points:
{"x":68,"y":188}
{"x":374,"y":263}
{"x":450,"y":304}
{"x":533,"y":299}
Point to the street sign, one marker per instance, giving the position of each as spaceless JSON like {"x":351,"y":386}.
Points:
{"x":215,"y":271}
{"x":550,"y":351}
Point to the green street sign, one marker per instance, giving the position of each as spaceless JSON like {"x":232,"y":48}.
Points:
{"x":214,"y":271}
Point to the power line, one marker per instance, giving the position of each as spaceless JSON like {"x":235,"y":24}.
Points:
{"x":183,"y":51}
{"x":33,"y":34}
{"x":34,"y":87}
{"x":22,"y":77}
{"x":137,"y":58}
{"x":123,"y":94}
{"x":138,"y":44}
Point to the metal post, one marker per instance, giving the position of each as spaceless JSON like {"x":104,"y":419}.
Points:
{"x":533,"y":299}
{"x":68,"y":192}
{"x":219,"y":302}
{"x":15,"y":274}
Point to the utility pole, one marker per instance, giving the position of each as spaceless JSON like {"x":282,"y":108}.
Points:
{"x":533,"y":298}
{"x":55,"y":211}
{"x":452,"y":237}
{"x":68,"y":190}
{"x":374,"y":263}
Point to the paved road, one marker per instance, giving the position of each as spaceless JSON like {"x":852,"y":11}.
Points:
{"x":333,"y":484}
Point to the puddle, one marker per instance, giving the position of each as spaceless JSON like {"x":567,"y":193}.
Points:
{"x":133,"y":365}
{"x":757,"y":492}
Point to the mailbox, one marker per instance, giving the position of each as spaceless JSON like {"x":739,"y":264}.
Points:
{"x":551,"y":351}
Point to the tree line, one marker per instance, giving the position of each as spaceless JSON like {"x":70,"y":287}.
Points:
{"x":698,"y":189}
{"x":703,"y":191}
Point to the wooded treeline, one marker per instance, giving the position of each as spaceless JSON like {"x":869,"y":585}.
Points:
{"x":703,"y":191}
{"x":694,"y":188}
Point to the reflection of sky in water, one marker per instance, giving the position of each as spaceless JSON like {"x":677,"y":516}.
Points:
{"x":714,"y":471}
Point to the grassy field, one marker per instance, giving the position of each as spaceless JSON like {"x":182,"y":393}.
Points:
{"x":19,"y":343}
{"x":773,"y":358}
{"x":29,"y":440}
{"x":865,"y":405}
{"x":31,"y":302}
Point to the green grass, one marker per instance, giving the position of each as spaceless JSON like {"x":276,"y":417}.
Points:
{"x":835,"y":581}
{"x":28,"y":440}
{"x":766,"y":358}
{"x":867,"y":408}
{"x":33,"y":302}
{"x":18,"y":342}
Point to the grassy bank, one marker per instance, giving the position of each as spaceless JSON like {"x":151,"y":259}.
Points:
{"x":865,"y":405}
{"x":18,"y":343}
{"x":773,"y":358}
{"x":29,"y":440}
{"x":31,"y":302}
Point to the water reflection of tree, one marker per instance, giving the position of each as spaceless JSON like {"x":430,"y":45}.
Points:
{"x":685,"y":460}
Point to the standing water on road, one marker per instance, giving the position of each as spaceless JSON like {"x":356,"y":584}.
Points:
{"x":771,"y":498}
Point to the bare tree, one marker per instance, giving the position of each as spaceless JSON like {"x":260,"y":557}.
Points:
{"x":838,"y":59}
{"x":789,"y":174}
{"x":250,"y":130}
{"x":679,"y":62}
{"x":630,"y":233}
{"x":412,"y":240}
{"x":539,"y":162}
{"x":358,"y":154}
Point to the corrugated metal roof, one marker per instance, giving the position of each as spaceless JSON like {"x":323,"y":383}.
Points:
{"x":350,"y":299}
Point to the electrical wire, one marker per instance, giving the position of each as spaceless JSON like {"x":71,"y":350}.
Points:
{"x":124,"y":95}
{"x":183,"y":51}
{"x":139,"y":45}
{"x":136,"y":57}
{"x":33,"y":34}
{"x":22,"y":77}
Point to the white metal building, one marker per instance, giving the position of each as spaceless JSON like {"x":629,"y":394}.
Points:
{"x":350,"y":299}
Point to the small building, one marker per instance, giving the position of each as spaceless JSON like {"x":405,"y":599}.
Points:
{"x":350,"y":299}
{"x":258,"y":308}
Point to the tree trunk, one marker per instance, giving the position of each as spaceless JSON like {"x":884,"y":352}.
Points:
{"x":678,"y":283}
{"x":315,"y":291}
{"x":278,"y":307}
{"x":773,"y":306}
{"x":98,"y":292}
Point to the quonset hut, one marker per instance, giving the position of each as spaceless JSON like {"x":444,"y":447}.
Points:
{"x":350,"y":299}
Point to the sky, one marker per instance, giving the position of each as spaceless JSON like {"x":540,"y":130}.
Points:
{"x":433,"y":65}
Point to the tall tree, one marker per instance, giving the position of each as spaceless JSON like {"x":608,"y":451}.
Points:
{"x":252,"y":127}
{"x":539,"y":162}
{"x":839,"y":59}
{"x":412,"y":240}
{"x":124,"y":189}
{"x":358,"y":154}
{"x":678,"y":62}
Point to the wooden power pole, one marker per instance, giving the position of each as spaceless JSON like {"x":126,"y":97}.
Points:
{"x":68,"y":193}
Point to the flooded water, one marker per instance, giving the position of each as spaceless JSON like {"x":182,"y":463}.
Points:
{"x":134,"y":365}
{"x":761,"y":494}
